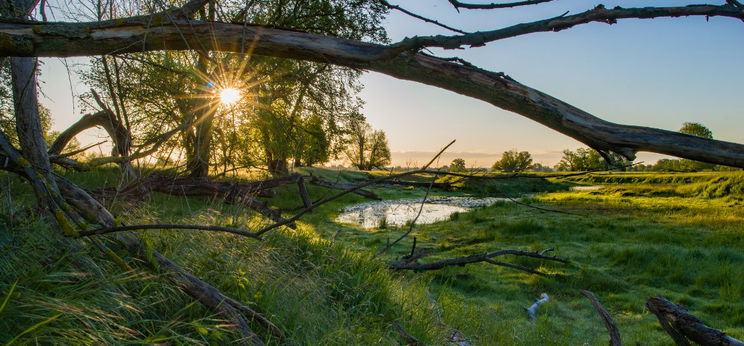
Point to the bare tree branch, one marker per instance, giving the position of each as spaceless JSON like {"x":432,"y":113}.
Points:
{"x":410,"y":263}
{"x":458,"y":5}
{"x":131,"y":35}
{"x":609,"y":323}
{"x":420,"y":17}
{"x":598,"y":14}
{"x":107,"y":230}
{"x":190,"y":8}
{"x":346,"y":192}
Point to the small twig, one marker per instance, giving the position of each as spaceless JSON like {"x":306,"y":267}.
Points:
{"x":541,"y":208}
{"x":411,"y":226}
{"x":78,"y":151}
{"x":606,"y":318}
{"x":167,"y":226}
{"x":346,"y":192}
{"x":420,"y":17}
{"x":411,"y":264}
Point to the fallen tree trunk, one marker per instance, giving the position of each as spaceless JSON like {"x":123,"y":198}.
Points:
{"x":684,"y":327}
{"x":77,"y":199}
{"x":411,"y":262}
{"x":206,"y":294}
{"x":615,"y":339}
{"x":242,"y":193}
{"x":442,"y":186}
{"x":342,"y":186}
{"x":137,"y":34}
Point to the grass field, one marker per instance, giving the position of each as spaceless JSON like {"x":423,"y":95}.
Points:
{"x":640,"y":235}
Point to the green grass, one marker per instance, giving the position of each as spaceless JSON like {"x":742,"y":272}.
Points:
{"x":678,"y":235}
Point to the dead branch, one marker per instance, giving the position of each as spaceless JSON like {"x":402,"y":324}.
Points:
{"x":410,"y":339}
{"x":133,"y":35}
{"x":458,"y":5}
{"x":348,"y":191}
{"x":70,"y":203}
{"x":684,"y":327}
{"x":108,"y":230}
{"x":304,"y":194}
{"x":389,"y":245}
{"x":598,"y":14}
{"x":118,"y":132}
{"x":442,"y":186}
{"x":609,"y":323}
{"x":206,"y":294}
{"x":420,"y":17}
{"x":341,"y":186}
{"x":232,"y":192}
{"x":408,"y":264}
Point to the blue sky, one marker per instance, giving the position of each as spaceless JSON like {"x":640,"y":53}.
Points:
{"x":658,"y":73}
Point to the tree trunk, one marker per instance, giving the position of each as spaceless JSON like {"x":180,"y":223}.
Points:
{"x":28,"y":124}
{"x":278,"y":167}
{"x":682,"y":326}
{"x":134,"y":35}
{"x":198,"y":164}
{"x":198,"y":161}
{"x":118,"y":132}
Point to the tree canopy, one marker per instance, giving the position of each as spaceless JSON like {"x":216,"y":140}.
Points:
{"x":513,"y":161}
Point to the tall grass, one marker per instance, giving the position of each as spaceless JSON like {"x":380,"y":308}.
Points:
{"x":642,"y":235}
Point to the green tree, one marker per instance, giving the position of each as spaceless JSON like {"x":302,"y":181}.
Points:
{"x":457,"y":165}
{"x":282,"y":98}
{"x":586,"y":159}
{"x":366,"y":149}
{"x":696,"y":129}
{"x":513,"y":161}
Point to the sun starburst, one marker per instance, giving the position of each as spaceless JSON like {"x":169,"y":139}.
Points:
{"x":229,"y":96}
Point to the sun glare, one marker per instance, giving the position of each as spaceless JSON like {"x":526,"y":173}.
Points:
{"x":229,"y":96}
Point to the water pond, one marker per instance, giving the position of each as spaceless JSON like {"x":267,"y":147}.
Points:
{"x":399,"y":212}
{"x":586,"y":188}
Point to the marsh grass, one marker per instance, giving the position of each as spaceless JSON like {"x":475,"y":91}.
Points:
{"x":679,"y":235}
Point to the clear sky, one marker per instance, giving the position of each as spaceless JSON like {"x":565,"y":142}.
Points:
{"x":658,"y":73}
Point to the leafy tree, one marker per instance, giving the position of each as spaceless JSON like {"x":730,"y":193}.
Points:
{"x":541,"y":168}
{"x":457,"y":165}
{"x":367,"y":149}
{"x":586,"y":159}
{"x":513,"y":161}
{"x":696,"y":129}
{"x":685,"y":165}
{"x":288,"y":106}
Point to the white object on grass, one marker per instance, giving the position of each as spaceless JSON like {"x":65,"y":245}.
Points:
{"x":532,"y":310}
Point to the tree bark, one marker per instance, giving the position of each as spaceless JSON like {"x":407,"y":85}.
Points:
{"x":118,"y":132}
{"x":133,"y":35}
{"x":682,"y":326}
